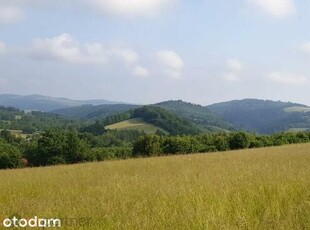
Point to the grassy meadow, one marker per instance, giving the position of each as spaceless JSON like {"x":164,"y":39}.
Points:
{"x":265,"y":188}
{"x":135,"y":124}
{"x":300,"y":109}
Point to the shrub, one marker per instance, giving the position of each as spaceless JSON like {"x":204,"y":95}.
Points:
{"x":239,"y":140}
{"x":56,"y":160}
{"x":10,"y":156}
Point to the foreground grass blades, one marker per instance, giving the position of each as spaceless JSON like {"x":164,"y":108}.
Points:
{"x":266,"y":188}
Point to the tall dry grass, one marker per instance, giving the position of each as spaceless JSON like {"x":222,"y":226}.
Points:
{"x":252,"y":189}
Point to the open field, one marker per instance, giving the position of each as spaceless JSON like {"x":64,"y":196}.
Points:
{"x":301,"y":109}
{"x":136,"y":124}
{"x":265,"y":188}
{"x":298,"y":130}
{"x":18,"y":133}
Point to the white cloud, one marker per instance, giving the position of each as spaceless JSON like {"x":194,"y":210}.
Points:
{"x":127,"y":55}
{"x":276,"y":8}
{"x":234,"y":68}
{"x":2,"y":47}
{"x":62,"y":47}
{"x":11,"y":10}
{"x":230,"y":77}
{"x":287,"y":79}
{"x":305,"y":47}
{"x":172,"y":63}
{"x":131,"y":8}
{"x":234,"y":65}
{"x":67,"y":49}
{"x":141,"y":71}
{"x":10,"y":14}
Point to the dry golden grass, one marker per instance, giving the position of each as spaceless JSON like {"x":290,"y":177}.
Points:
{"x":252,"y":189}
{"x":136,"y":124}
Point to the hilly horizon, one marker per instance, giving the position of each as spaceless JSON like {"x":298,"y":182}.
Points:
{"x":253,"y":115}
{"x":45,"y":103}
{"x":264,"y":116}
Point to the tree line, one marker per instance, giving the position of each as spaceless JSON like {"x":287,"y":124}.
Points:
{"x":58,"y":146}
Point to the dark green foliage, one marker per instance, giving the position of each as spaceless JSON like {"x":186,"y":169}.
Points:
{"x":56,"y":160}
{"x":181,"y":145}
{"x":262,"y":116}
{"x":97,"y":128}
{"x":112,"y":138}
{"x":7,"y":136}
{"x":239,"y":140}
{"x":221,"y":142}
{"x":166,"y":120}
{"x":14,"y":119}
{"x":148,"y":145}
{"x":92,"y":112}
{"x":111,"y":153}
{"x":56,"y":146}
{"x":10,"y":156}
{"x":152,"y":145}
{"x":151,"y":114}
{"x":197,"y":114}
{"x":118,"y":117}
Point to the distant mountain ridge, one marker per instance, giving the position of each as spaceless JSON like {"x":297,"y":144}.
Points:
{"x":253,"y":115}
{"x":264,"y":116}
{"x":45,"y":103}
{"x":94,"y":112}
{"x":197,"y":114}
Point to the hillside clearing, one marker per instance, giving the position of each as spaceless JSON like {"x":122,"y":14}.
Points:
{"x":265,"y":188}
{"x":135,"y":124}
{"x":299,"y":109}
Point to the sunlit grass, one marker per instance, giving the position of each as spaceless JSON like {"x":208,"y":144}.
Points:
{"x":136,"y":124}
{"x":253,"y":189}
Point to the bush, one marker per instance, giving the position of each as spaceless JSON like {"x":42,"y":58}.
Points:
{"x":239,"y":140}
{"x":58,"y":146}
{"x":10,"y":156}
{"x":56,"y":160}
{"x":221,"y":143}
{"x":148,"y":145}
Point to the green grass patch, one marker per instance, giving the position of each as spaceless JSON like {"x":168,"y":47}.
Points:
{"x":299,"y":109}
{"x":298,"y":129}
{"x":18,"y":133}
{"x":265,"y":188}
{"x":136,"y":124}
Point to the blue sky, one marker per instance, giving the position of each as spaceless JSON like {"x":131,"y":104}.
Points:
{"x":145,"y":51}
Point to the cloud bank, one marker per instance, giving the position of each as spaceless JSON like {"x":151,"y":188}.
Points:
{"x":67,"y":49}
{"x":276,"y":8}
{"x":132,"y":8}
{"x":172,"y":63}
{"x":10,"y":14}
{"x":287,"y":78}
{"x":234,"y":68}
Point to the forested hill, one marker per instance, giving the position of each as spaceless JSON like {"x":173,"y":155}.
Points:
{"x":44,"y":103}
{"x":166,"y":120}
{"x":15,"y":119}
{"x":93,"y":112}
{"x":155,"y":115}
{"x":202,"y":116}
{"x":264,"y":116}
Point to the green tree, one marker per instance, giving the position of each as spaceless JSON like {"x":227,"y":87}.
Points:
{"x":10,"y":156}
{"x":148,"y":145}
{"x":239,"y":140}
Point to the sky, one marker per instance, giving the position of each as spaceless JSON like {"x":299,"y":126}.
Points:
{"x":146,"y":51}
